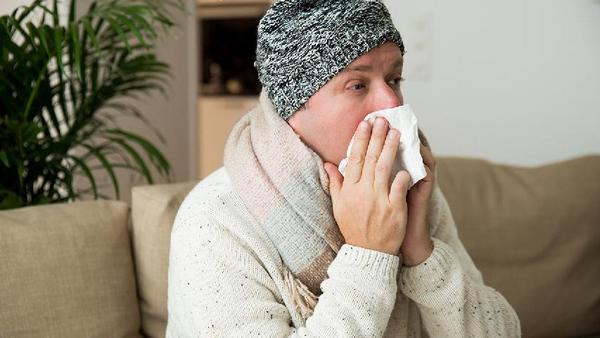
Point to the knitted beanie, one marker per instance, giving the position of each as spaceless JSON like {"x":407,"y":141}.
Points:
{"x":302,"y":44}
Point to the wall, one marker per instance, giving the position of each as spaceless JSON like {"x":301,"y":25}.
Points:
{"x":7,"y":6}
{"x":175,"y":116}
{"x":511,"y":81}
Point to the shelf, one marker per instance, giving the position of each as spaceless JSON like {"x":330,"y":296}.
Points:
{"x":232,"y":2}
{"x":242,"y":9}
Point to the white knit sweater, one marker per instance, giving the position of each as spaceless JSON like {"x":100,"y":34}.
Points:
{"x":225,"y":281}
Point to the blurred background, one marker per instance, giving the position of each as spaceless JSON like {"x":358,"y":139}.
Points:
{"x":515,"y":82}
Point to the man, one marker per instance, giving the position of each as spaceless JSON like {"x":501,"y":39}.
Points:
{"x":278,"y":243}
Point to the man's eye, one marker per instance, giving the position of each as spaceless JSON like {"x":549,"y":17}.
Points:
{"x":357,"y":86}
{"x":396,"y":82}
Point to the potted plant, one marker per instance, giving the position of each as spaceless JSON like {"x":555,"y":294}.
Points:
{"x":63,"y":84}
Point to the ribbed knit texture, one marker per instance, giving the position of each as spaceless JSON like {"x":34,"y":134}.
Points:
{"x":284,"y":185}
{"x":226,"y":272}
{"x":302,"y":44}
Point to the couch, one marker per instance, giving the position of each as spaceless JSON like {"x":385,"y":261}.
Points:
{"x":99,"y":268}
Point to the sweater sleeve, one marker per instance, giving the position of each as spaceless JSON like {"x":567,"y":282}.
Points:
{"x":218,"y":287}
{"x":449,"y":290}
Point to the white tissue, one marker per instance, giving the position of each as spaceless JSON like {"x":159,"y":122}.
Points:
{"x":409,"y":152}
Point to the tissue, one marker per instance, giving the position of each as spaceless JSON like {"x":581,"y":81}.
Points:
{"x":409,"y":153}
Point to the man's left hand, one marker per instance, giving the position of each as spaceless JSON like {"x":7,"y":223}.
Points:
{"x":417,"y":245}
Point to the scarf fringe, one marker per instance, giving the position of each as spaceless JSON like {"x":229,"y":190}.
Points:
{"x":303,"y":298}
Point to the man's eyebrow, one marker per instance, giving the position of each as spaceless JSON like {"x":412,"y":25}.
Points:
{"x":366,"y":68}
{"x":398,"y":64}
{"x":356,"y":69}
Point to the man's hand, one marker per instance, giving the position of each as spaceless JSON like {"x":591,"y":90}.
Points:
{"x":370,"y":212}
{"x":417,"y":245}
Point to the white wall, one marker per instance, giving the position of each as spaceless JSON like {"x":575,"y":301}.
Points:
{"x":511,"y":81}
{"x":174,"y":116}
{"x":7,"y":6}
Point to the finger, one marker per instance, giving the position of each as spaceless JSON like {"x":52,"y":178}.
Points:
{"x":399,"y":187}
{"x":430,"y":174}
{"x":357,"y":153}
{"x":335,"y":179}
{"x":385,"y":164}
{"x":429,"y":160}
{"x":428,"y":178}
{"x":427,"y":155}
{"x":380,"y":128}
{"x":422,"y":138}
{"x":426,"y":152}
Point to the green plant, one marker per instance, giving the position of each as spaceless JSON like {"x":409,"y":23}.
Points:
{"x":62,"y":85}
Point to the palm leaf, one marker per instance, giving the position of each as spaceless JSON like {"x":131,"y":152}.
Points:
{"x":136,"y":157}
{"x":160,"y":162}
{"x":63,"y":85}
{"x":86,"y":170}
{"x":97,"y":152}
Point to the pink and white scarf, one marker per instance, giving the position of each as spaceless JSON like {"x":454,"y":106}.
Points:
{"x":284,"y":185}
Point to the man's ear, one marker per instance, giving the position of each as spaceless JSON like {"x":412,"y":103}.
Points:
{"x":423,"y":139}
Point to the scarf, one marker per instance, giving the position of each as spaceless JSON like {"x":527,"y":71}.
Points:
{"x":285,"y":187}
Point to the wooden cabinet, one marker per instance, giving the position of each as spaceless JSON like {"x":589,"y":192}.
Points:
{"x":216,"y":117}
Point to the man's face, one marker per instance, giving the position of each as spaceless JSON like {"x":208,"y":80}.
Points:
{"x":332,"y":114}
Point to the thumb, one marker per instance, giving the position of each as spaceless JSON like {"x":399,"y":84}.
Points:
{"x":335,"y":179}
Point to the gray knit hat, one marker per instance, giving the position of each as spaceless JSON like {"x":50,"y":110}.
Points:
{"x":302,"y":44}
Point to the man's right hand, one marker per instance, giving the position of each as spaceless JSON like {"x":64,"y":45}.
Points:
{"x":369,"y":212}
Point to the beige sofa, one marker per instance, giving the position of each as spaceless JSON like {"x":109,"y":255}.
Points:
{"x":84,"y":270}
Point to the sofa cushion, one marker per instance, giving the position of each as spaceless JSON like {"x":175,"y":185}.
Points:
{"x":66,"y":271}
{"x":533,"y":232}
{"x":535,"y":235}
{"x":153,"y":212}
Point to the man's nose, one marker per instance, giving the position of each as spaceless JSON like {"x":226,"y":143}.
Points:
{"x":386,"y":97}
